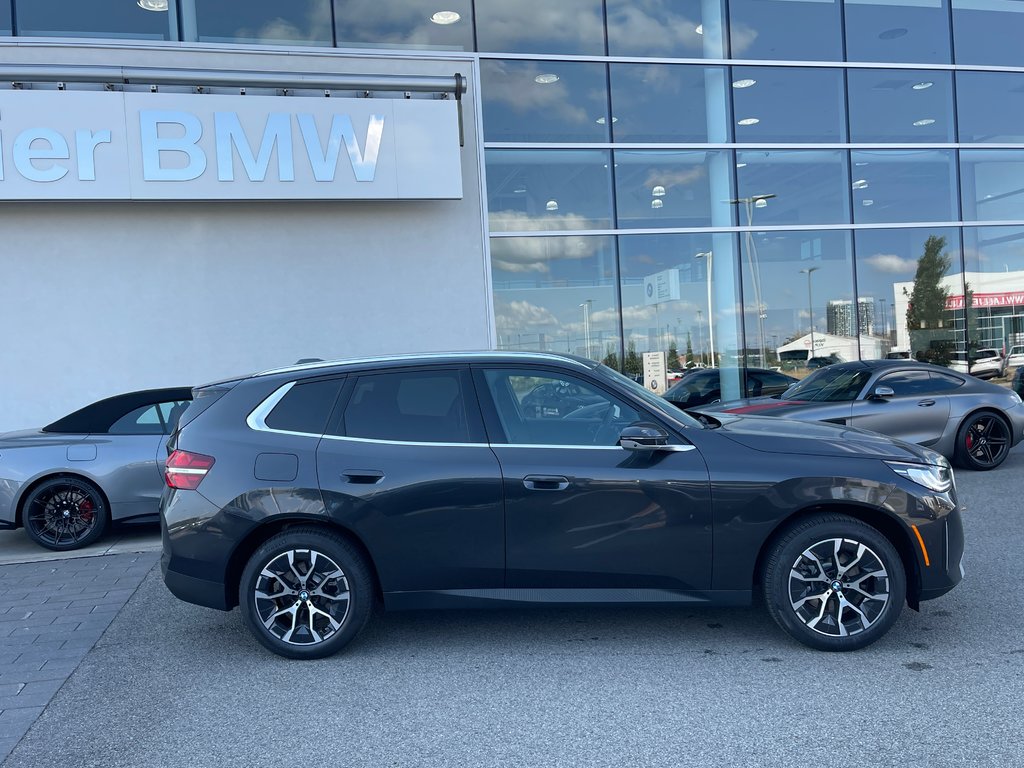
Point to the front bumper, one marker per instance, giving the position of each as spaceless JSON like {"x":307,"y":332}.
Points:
{"x":940,"y":551}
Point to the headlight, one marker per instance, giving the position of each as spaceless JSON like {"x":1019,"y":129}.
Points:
{"x":1015,"y":397}
{"x":938,"y":478}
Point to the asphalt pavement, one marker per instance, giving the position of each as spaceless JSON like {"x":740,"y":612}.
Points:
{"x":170,"y":684}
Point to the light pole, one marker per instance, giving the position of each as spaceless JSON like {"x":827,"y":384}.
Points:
{"x":586,"y":326}
{"x":700,"y":331}
{"x":749,"y":203}
{"x":711,"y":314}
{"x":810,"y":304}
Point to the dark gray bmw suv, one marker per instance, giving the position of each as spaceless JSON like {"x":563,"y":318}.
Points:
{"x":307,"y":495}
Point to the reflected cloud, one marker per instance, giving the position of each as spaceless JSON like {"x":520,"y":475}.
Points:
{"x":504,"y":25}
{"x":514,"y":87}
{"x":891,"y":263}
{"x":317,"y":28}
{"x":523,"y":314}
{"x":534,"y":254}
{"x":520,"y":221}
{"x":651,"y":28}
{"x":675,"y":177}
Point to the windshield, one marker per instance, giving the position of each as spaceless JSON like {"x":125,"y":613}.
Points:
{"x":829,"y":385}
{"x":658,"y":403}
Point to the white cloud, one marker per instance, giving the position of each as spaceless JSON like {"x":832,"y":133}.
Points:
{"x":891,"y":263}
{"x":523,"y":314}
{"x":534,"y":254}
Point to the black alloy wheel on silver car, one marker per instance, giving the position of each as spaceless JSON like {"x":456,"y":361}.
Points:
{"x":306,"y":593}
{"x":834,"y":583}
{"x":982,"y":442}
{"x":65,"y":513}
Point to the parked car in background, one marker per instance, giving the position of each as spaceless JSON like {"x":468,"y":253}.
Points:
{"x":64,"y":483}
{"x":305,"y":495}
{"x":703,"y":386}
{"x":1015,"y":357}
{"x":1018,"y":381}
{"x":982,"y":363}
{"x":975,"y":423}
{"x":820,"y":362}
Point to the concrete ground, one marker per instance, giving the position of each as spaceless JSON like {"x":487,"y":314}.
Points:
{"x":170,"y":684}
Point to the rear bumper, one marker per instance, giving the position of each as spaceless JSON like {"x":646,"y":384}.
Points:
{"x":193,"y":563}
{"x":209,"y":594}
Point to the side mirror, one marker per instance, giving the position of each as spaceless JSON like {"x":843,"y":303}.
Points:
{"x":643,"y":437}
{"x":882,"y":393}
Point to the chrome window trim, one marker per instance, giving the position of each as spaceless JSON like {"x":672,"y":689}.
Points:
{"x":257,"y":419}
{"x":346,"y":438}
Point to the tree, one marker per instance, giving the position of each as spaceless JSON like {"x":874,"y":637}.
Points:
{"x":673,"y":356}
{"x":611,"y":359}
{"x":926,"y":313}
{"x":634,"y":365}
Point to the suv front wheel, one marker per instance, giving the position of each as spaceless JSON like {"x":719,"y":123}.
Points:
{"x":834,"y":583}
{"x":306,"y":593}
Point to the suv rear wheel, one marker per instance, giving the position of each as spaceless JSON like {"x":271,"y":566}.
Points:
{"x":306,"y":593}
{"x":834,"y":583}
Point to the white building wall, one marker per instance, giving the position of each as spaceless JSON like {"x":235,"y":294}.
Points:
{"x":101,"y":298}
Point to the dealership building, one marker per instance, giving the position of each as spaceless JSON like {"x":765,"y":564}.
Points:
{"x":194,"y":189}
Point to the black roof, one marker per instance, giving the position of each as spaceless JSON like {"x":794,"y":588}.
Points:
{"x":99,"y":416}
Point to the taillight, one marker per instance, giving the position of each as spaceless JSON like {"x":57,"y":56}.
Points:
{"x":185,"y":470}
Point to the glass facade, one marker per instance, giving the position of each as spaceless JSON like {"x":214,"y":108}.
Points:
{"x":734,"y":182}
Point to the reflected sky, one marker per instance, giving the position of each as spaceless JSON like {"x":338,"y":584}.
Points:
{"x":300,"y":22}
{"x":892,"y":185}
{"x":990,"y":106}
{"x":404,"y":24}
{"x":777,"y":105}
{"x":900,"y":106}
{"x":988,"y":31}
{"x":882,"y":30}
{"x":100,"y":18}
{"x":540,"y":26}
{"x":667,"y":28}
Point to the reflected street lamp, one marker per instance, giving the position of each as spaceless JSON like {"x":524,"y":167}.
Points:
{"x":586,"y":326}
{"x":711,"y":314}
{"x":749,"y":203}
{"x":810,"y":304}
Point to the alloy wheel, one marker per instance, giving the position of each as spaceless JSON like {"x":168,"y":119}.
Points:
{"x":838,"y":587}
{"x":64,"y":515}
{"x":987,"y":440}
{"x":302,"y":597}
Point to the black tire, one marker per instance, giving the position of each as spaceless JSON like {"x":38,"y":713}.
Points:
{"x":982,"y":442}
{"x":65,"y":513}
{"x":326,"y":613}
{"x":872,"y":586}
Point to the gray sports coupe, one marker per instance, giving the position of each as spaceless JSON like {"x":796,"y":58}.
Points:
{"x":67,"y":481}
{"x":972,"y":422}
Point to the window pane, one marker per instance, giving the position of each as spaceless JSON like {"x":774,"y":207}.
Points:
{"x":540,"y":26}
{"x":900,"y":105}
{"x":100,"y":18}
{"x":683,"y":29}
{"x":306,"y":407}
{"x":425,"y":407}
{"x":889,"y":261}
{"x":533,"y":190}
{"x":544,"y":101}
{"x":891,"y":185}
{"x":404,"y":24}
{"x":992,"y":188}
{"x":990,"y":106}
{"x":144,"y":420}
{"x":673,"y":188}
{"x":881,"y":30}
{"x":809,"y":186}
{"x":667,"y":102}
{"x":556,"y":294}
{"x":300,"y":22}
{"x":995,"y":286}
{"x":988,"y":31}
{"x":171,"y":412}
{"x":783,"y":104}
{"x":785,"y":29}
{"x":695,"y":311}
{"x":906,"y":383}
{"x":5,"y":18}
{"x":797,"y":297}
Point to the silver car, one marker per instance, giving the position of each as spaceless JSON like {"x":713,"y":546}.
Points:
{"x":67,"y":481}
{"x":972,"y":422}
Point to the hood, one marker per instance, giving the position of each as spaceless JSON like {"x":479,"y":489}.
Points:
{"x":815,"y":438}
{"x":763,"y":406}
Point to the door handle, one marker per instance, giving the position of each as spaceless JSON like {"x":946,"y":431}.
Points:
{"x":546,"y":482}
{"x":363,"y":476}
{"x":926,"y":403}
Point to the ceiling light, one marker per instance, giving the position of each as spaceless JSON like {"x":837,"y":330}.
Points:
{"x":892,"y":34}
{"x":860,"y":164}
{"x":922,"y":86}
{"x":656,"y":203}
{"x":867,"y":202}
{"x":445,"y":17}
{"x":699,"y":29}
{"x":603,"y":120}
{"x":658,"y":191}
{"x":546,"y":78}
{"x":860,"y":184}
{"x":552,"y":205}
{"x":153,"y":5}
{"x":744,"y":83}
{"x":519,"y":191}
{"x":760,"y":203}
{"x":748,"y":121}
{"x":925,"y":121}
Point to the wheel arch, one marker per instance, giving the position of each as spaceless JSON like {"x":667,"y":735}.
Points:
{"x":27,"y":489}
{"x":884,"y":523}
{"x":957,"y":453}
{"x":262,"y":533}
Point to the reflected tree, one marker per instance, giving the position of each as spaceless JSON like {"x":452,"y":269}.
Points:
{"x":673,"y":354}
{"x":611,"y":358}
{"x":926,"y":314}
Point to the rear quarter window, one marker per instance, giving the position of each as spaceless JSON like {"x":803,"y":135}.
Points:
{"x":306,"y":407}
